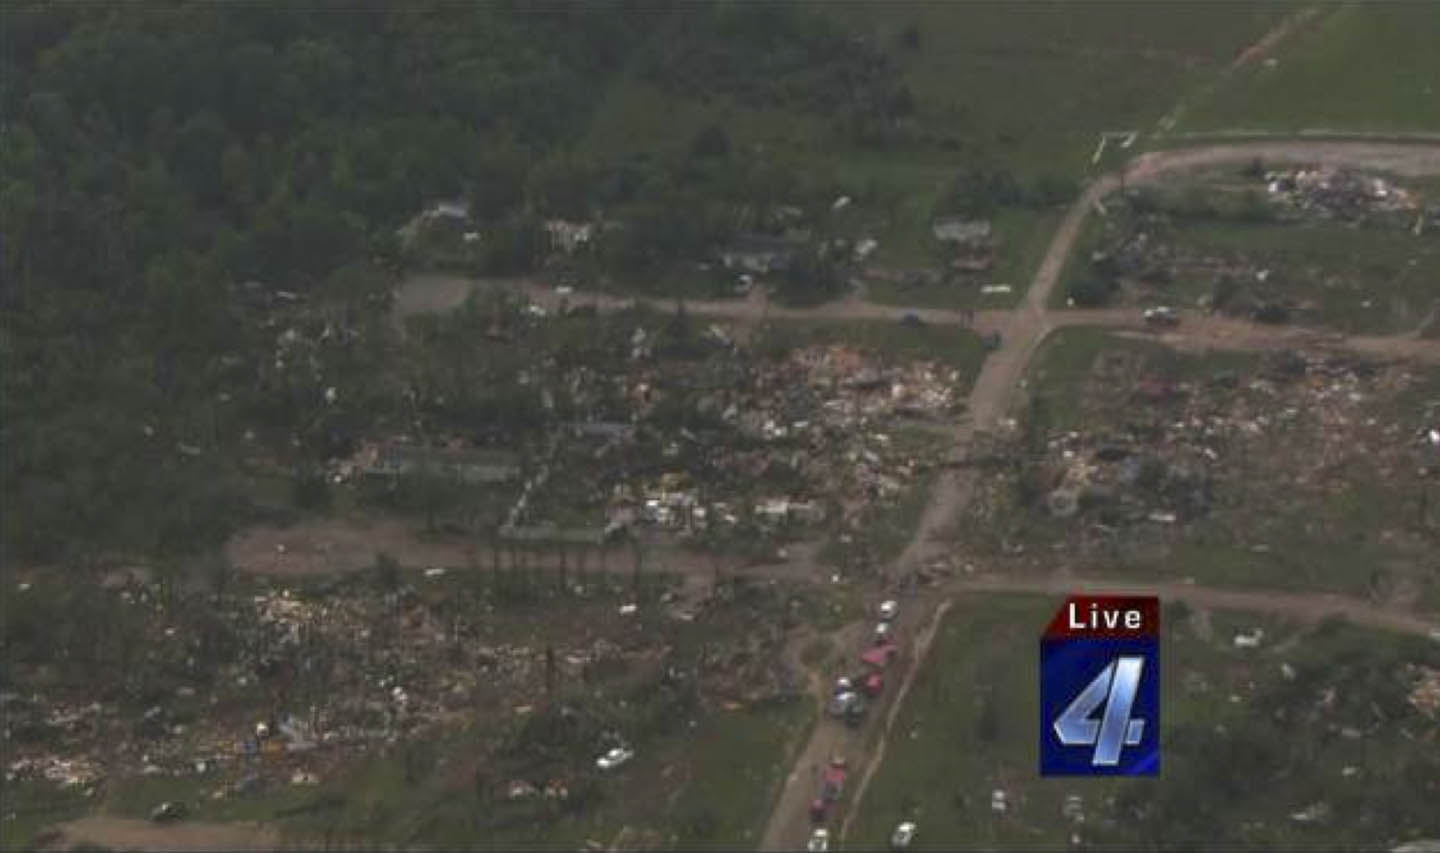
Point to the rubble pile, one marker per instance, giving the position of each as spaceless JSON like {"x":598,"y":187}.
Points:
{"x":1425,"y":693}
{"x":814,"y":423}
{"x":354,"y":668}
{"x":1180,"y":443}
{"x":66,"y":772}
{"x":1337,"y":193}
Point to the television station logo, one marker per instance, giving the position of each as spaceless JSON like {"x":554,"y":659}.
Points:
{"x":1100,"y":687}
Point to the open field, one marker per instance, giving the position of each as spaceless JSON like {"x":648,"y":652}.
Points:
{"x":1251,"y":736}
{"x":1042,"y":79}
{"x":1361,"y":67}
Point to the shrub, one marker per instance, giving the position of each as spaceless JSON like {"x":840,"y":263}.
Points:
{"x":1092,"y":292}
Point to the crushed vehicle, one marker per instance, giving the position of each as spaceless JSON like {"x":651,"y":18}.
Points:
{"x":1162,"y":316}
{"x":614,"y":758}
{"x":902,"y":836}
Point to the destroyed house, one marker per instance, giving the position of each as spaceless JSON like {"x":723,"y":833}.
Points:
{"x":758,"y":254}
{"x":450,"y":208}
{"x":467,"y":466}
{"x":568,"y":237}
{"x":964,"y":232}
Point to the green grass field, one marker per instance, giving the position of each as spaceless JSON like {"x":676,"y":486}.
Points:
{"x":1032,"y":84}
{"x":1369,"y":67}
{"x":1244,"y":745}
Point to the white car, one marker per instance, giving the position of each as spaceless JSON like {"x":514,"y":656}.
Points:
{"x":819,"y":840}
{"x":902,"y":836}
{"x":882,"y":632}
{"x":614,"y":758}
{"x":1162,"y":315}
{"x":889,"y":610}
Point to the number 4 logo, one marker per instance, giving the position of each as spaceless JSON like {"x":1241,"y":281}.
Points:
{"x":1113,"y":689}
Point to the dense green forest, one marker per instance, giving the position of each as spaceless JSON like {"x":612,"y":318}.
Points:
{"x":159,"y":159}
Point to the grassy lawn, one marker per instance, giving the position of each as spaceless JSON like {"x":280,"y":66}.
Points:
{"x":1358,"y":280}
{"x":30,"y":807}
{"x":1245,"y":745}
{"x":1067,"y":358}
{"x":1078,"y":265}
{"x":1361,"y":67}
{"x":1021,"y":236}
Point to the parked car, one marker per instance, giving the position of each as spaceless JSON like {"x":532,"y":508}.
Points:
{"x":1162,"y":315}
{"x":882,"y":633}
{"x":819,"y":840}
{"x":818,"y":810}
{"x":902,"y":836}
{"x":874,"y":683}
{"x":843,"y":685}
{"x":614,"y":758}
{"x":911,"y":319}
{"x":855,"y":714}
{"x":889,"y":610}
{"x":841,"y":703}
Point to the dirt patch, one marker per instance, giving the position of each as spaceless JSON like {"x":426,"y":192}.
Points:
{"x":333,"y":545}
{"x":1200,"y":624}
{"x":131,"y":834}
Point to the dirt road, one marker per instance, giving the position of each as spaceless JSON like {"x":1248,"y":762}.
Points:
{"x":921,"y":652}
{"x":337,"y":545}
{"x":131,"y":834}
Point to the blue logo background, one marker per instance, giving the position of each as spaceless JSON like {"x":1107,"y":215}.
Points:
{"x":1067,"y":666}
